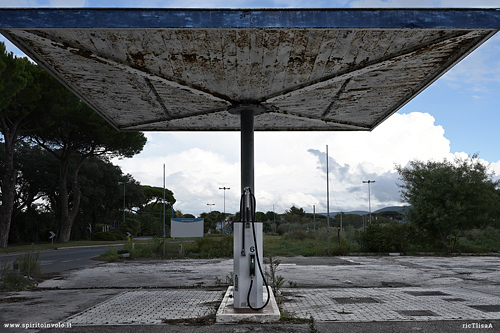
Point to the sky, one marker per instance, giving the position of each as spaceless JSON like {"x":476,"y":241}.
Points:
{"x":457,"y":116}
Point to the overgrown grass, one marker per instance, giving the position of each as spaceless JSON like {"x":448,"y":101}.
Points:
{"x":294,"y":243}
{"x":22,"y":274}
{"x":480,"y":241}
{"x":214,"y":247}
{"x":307,"y":244}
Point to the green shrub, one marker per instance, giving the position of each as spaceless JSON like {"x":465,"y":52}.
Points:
{"x":221,"y":247}
{"x":393,"y":237}
{"x":29,"y":264}
{"x":110,"y":255}
{"x":480,"y":241}
{"x":108,"y":236}
{"x":102,"y":236}
{"x":298,"y":234}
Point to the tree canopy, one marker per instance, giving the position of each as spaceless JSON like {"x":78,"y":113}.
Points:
{"x":37,"y":111}
{"x":449,"y":197}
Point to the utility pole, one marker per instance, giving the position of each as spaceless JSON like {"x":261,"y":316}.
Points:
{"x":327,"y":202}
{"x":224,"y":188}
{"x":120,"y":183}
{"x":314,"y":216}
{"x":369,"y":202}
{"x":164,"y":232}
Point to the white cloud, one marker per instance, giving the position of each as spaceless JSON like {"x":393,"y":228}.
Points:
{"x":495,"y":167}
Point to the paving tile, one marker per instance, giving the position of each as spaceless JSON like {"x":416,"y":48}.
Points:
{"x":150,"y":307}
{"x":394,"y":304}
{"x":360,"y":305}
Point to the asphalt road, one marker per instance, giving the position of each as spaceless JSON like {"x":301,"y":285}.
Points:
{"x":55,"y":261}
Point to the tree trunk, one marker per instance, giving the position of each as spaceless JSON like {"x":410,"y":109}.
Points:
{"x":444,"y":239}
{"x":68,"y":215}
{"x":65,"y":229}
{"x":8,"y":182}
{"x":8,"y":193}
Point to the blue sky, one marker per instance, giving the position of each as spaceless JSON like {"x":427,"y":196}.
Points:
{"x":458,"y":115}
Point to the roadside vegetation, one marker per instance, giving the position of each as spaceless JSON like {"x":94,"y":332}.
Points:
{"x":23,"y":274}
{"x":378,"y":239}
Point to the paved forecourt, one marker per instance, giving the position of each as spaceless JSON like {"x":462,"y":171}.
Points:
{"x":339,"y":304}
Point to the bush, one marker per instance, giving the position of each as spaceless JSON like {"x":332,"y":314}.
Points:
{"x":107,"y":236}
{"x":212,"y":247}
{"x":130,"y":225}
{"x":393,"y":237}
{"x":29,"y":264}
{"x":110,"y":255}
{"x":480,"y":241}
{"x":298,"y":235}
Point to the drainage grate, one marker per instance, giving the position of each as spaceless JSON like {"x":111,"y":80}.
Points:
{"x":427,"y":293}
{"x":354,"y":300}
{"x":417,"y":313}
{"x":487,"y":308}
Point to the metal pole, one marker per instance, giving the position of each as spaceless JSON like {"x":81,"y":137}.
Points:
{"x":274,"y":220}
{"x":341,"y":225}
{"x":124,"y":202}
{"x":164,"y":210}
{"x":369,"y":200}
{"x":314,"y":216}
{"x":327,"y":202}
{"x":224,"y":188}
{"x":247,"y":150}
{"x":369,"y":203}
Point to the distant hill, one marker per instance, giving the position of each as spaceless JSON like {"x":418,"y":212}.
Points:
{"x":399,"y":209}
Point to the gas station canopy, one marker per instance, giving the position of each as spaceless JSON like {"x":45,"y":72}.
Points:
{"x":298,"y":69}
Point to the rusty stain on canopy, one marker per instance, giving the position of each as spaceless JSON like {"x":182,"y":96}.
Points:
{"x":302,"y":69}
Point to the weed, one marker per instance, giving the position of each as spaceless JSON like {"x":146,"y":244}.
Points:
{"x":29,"y":264}
{"x":276,"y":280}
{"x":19,"y":275}
{"x":110,"y":255}
{"x":230,"y":278}
{"x":291,"y":317}
{"x":218,"y":282}
{"x":312,"y":325}
{"x":211,"y":247}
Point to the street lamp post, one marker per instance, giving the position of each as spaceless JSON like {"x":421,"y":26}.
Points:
{"x":210,"y":205}
{"x":119,"y":183}
{"x":224,"y":188}
{"x":369,"y":202}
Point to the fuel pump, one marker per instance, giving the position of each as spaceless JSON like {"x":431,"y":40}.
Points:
{"x":248,"y":245}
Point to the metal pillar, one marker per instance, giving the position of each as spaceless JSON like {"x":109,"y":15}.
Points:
{"x":248,"y":245}
{"x":247,"y":150}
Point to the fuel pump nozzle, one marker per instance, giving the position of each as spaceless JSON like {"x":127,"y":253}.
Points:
{"x":252,"y":265}
{"x":247,"y":213}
